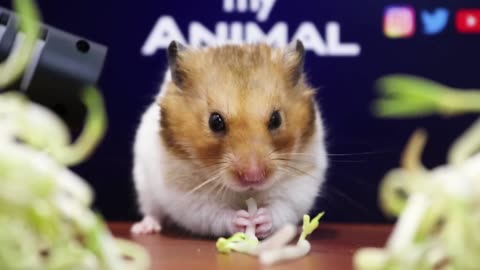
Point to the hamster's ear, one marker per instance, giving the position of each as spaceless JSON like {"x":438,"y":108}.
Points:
{"x":295,"y":59}
{"x":174,"y":61}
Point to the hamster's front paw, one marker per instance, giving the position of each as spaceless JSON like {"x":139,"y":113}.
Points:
{"x":263,"y":223}
{"x":148,"y":225}
{"x":241,"y":220}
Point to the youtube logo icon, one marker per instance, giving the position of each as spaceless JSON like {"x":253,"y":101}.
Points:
{"x":468,"y":21}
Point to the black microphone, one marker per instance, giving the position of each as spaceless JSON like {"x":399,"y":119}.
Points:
{"x":61,"y":66}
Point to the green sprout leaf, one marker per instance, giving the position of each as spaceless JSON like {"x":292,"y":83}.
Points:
{"x":310,"y":226}
{"x":239,"y":242}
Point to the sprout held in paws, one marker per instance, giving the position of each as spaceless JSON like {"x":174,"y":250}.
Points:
{"x":274,"y":249}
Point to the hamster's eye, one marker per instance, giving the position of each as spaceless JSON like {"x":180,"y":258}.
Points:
{"x":216,"y":123}
{"x":275,"y":120}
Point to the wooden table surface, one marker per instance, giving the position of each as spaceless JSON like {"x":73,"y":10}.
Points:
{"x":333,"y":246}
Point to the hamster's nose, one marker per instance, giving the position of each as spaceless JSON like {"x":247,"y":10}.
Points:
{"x":251,"y":173}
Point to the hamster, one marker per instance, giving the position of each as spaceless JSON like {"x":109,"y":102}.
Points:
{"x":229,"y":123}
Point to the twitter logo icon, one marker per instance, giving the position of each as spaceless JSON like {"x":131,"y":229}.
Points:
{"x":435,"y":21}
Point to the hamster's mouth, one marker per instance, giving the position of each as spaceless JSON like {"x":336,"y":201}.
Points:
{"x":241,"y":186}
{"x":254,"y":185}
{"x":245,"y":188}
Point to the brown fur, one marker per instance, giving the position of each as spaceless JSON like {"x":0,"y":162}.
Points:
{"x":245,"y":84}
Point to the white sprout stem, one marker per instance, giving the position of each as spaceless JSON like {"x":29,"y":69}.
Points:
{"x":273,"y":256}
{"x":370,"y":259}
{"x":279,"y":239}
{"x":252,"y":209}
{"x":245,"y":247}
{"x":408,"y":224}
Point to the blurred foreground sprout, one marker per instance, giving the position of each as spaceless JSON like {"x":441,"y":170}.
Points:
{"x":438,"y":210}
{"x":45,"y":216}
{"x":410,"y":96}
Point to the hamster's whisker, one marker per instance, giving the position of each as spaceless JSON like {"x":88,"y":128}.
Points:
{"x":203,"y":184}
{"x":200,"y":170}
{"x":215,"y":187}
{"x":207,"y":167}
{"x":289,"y":172}
{"x":347,"y":161}
{"x":209,"y":161}
{"x":214,"y":164}
{"x":296,"y":154}
{"x":279,"y":151}
{"x":224,"y":191}
{"x":313,"y":156}
{"x":299,"y":172}
{"x":333,"y":195}
{"x":295,"y":173}
{"x":345,"y":155}
{"x":361,"y":153}
{"x":227,"y":159}
{"x":216,"y":175}
{"x":194,"y":158}
{"x":272,"y":152}
{"x":299,"y":161}
{"x":220,"y":191}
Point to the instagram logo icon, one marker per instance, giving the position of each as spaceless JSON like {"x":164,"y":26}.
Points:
{"x":399,"y":22}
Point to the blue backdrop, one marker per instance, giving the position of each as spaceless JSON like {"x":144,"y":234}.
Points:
{"x":131,"y":78}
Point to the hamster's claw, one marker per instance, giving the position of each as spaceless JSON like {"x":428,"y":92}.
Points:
{"x":240,"y":221}
{"x":263,"y":223}
{"x":148,"y":225}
